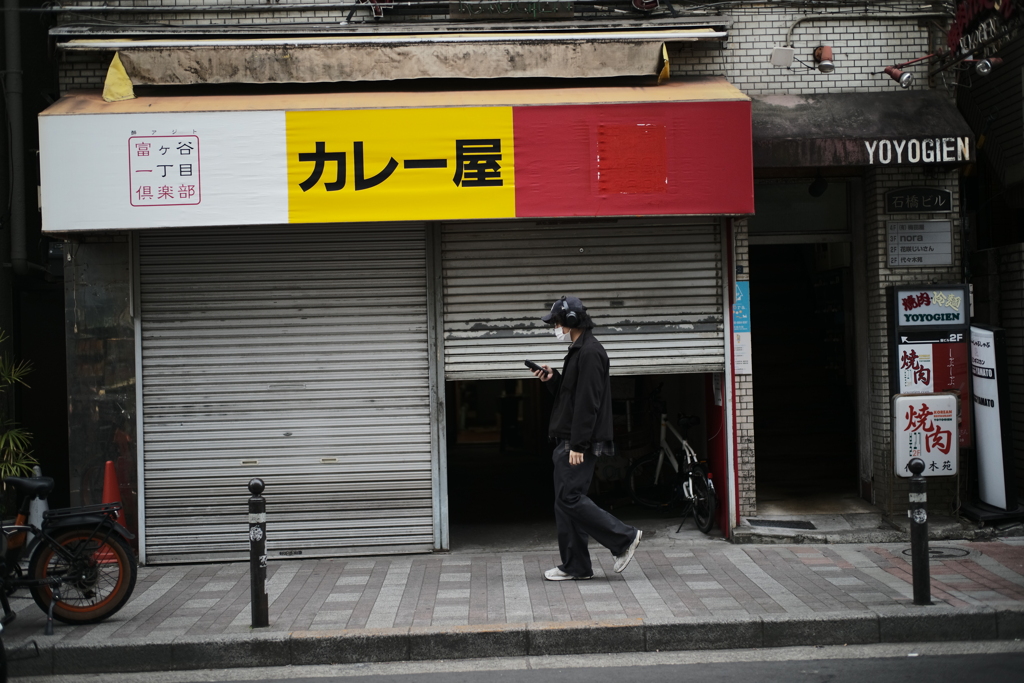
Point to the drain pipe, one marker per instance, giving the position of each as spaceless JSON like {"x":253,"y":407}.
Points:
{"x":12,"y":84}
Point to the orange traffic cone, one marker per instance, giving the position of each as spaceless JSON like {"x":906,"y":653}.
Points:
{"x":111,"y":489}
{"x":111,"y":494}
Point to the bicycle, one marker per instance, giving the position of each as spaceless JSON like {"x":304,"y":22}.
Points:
{"x":81,"y":568}
{"x":652,"y":485}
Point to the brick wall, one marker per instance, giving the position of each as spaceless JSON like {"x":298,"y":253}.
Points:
{"x":861,"y":49}
{"x":743,"y":386}
{"x":78,"y":74}
{"x":891,"y":491}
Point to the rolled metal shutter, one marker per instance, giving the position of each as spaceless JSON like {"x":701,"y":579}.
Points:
{"x":297,"y":355}
{"x":653,"y":288}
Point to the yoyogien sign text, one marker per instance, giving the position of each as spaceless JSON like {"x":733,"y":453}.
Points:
{"x":918,"y":151}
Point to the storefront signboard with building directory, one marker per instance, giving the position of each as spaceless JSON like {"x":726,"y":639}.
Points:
{"x":930,"y":333}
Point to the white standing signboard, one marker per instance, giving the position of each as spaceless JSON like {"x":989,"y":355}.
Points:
{"x":925,"y":426}
{"x":988,"y":427}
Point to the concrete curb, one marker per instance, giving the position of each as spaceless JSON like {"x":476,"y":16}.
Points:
{"x":896,"y":624}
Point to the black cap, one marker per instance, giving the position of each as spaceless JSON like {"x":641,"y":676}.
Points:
{"x":563,"y":306}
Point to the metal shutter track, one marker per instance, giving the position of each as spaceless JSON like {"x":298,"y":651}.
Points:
{"x":289,"y":347}
{"x":653,"y":287}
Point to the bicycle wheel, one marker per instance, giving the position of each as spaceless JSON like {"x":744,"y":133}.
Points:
{"x":704,"y":503}
{"x":100,"y":575}
{"x":642,"y":485}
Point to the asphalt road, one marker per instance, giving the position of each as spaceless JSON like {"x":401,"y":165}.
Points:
{"x":991,"y":662}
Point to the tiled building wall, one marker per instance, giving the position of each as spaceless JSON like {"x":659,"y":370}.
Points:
{"x":891,"y":491}
{"x":862,"y":48}
{"x":743,"y":386}
{"x":82,"y":74}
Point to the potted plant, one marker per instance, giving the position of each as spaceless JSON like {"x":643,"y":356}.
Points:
{"x":15,"y":457}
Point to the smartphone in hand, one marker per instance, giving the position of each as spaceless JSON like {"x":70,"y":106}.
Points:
{"x":533,"y":366}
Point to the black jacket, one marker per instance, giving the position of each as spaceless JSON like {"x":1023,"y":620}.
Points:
{"x":583,"y":395}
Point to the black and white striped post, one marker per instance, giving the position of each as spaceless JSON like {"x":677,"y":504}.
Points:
{"x":258,"y":554}
{"x":918,"y":514}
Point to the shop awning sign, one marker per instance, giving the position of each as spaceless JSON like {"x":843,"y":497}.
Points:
{"x":400,"y":164}
{"x":684,"y":149}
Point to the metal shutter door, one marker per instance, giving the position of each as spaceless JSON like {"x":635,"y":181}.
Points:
{"x":653,"y":288}
{"x":304,"y":350}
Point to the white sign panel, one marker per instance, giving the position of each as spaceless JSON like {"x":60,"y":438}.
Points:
{"x":916,"y":371}
{"x":988,"y":427}
{"x":925,"y":426}
{"x":920,"y":243}
{"x":164,"y":170}
{"x":930,"y":307}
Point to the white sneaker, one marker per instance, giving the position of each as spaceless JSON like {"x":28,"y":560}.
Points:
{"x":556,"y":574}
{"x":622,"y":561}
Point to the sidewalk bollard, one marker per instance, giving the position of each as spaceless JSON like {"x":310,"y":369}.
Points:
{"x":258,"y":554}
{"x":918,"y":514}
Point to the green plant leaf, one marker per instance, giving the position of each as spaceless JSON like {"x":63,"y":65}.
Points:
{"x":15,"y":457}
{"x":14,"y":372}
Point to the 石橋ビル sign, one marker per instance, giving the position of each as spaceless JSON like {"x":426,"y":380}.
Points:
{"x":918,"y":200}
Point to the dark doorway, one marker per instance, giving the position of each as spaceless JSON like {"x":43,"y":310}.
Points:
{"x":499,"y":466}
{"x":42,"y":405}
{"x":804,"y":390}
{"x":500,"y":491}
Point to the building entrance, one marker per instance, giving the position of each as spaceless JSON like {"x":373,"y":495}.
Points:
{"x":499,"y":466}
{"x":804,"y":389}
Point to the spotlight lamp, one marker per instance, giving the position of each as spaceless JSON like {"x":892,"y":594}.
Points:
{"x":823,"y":59}
{"x":904,"y":78}
{"x":983,"y":67}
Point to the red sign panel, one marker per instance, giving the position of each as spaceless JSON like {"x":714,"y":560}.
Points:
{"x":692,"y":158}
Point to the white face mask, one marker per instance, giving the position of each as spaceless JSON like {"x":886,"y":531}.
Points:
{"x":562,"y":335}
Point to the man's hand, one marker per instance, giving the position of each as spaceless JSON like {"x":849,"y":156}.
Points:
{"x":542,"y":376}
{"x":575,"y":458}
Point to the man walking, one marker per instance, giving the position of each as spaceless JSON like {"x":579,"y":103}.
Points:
{"x":581,"y":427}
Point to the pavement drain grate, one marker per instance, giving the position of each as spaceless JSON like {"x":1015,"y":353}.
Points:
{"x":940,"y":553}
{"x":782,"y":523}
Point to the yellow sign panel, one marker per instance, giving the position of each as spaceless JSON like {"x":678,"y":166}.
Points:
{"x":400,"y":164}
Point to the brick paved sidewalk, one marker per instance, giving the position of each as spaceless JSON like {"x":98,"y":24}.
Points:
{"x":713,"y":581}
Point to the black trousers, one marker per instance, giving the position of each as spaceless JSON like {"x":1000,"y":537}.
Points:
{"x":579,"y":518}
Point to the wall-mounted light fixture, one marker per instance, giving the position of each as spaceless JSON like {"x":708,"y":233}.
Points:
{"x":823,"y":59}
{"x":983,"y":67}
{"x":897,"y":73}
{"x":904,"y":78}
